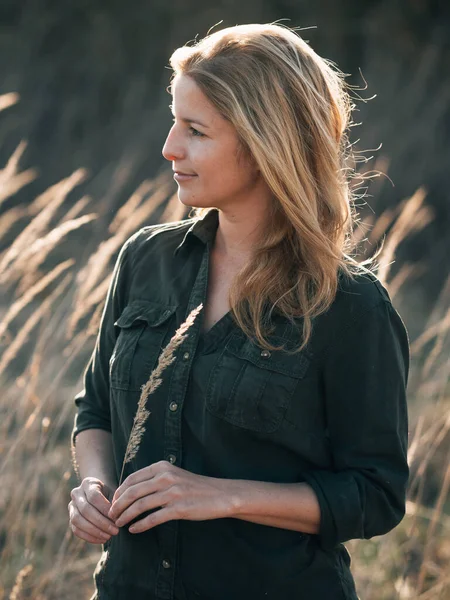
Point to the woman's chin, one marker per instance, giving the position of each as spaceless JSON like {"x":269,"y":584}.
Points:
{"x":191,"y":200}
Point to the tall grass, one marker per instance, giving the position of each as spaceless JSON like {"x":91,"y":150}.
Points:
{"x":53,"y":287}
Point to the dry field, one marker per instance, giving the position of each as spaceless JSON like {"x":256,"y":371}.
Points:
{"x":53,"y":283}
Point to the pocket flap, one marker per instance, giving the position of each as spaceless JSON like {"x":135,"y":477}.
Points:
{"x":293,"y":365}
{"x":143,"y":310}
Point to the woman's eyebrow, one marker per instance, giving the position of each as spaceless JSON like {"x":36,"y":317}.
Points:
{"x":188,"y":119}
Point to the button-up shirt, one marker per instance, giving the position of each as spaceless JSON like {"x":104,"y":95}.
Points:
{"x":333,"y":416}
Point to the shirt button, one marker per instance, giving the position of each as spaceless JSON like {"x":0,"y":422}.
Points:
{"x":166,"y":564}
{"x":186,"y":355}
{"x":265,"y":353}
{"x":173,"y":406}
{"x":172,"y":458}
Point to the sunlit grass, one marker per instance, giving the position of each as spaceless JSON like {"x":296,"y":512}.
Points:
{"x":54,"y":282}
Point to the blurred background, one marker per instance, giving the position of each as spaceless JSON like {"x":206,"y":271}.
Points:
{"x":84,"y":112}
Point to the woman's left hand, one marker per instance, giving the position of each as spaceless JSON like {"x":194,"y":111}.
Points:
{"x":179,"y":494}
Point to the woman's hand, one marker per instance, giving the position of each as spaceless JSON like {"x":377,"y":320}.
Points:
{"x":88,"y":511}
{"x":177,"y":493}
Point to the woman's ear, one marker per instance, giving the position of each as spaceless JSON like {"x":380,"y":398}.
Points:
{"x":251,"y":161}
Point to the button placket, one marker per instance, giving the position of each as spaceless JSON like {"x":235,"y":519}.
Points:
{"x":172,"y":436}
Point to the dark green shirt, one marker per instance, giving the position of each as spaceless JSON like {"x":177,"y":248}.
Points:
{"x":333,"y":416}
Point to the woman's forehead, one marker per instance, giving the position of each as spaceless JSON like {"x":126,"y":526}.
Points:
{"x":190,"y":103}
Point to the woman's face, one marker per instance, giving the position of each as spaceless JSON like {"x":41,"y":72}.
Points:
{"x":203,"y":144}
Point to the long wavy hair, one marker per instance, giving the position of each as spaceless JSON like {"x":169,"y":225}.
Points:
{"x":291,"y":110}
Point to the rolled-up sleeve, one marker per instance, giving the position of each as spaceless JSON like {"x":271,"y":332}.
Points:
{"x":92,"y":401}
{"x":364,"y":383}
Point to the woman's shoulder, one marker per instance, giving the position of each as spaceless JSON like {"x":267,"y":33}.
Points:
{"x":361,"y":301}
{"x":170,"y":231}
{"x":359,"y":292}
{"x":165,"y":235}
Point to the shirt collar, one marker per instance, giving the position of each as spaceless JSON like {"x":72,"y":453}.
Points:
{"x":204,"y":228}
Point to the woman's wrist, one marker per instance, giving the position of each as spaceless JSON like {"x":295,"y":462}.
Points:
{"x":94,"y":455}
{"x":290,"y":506}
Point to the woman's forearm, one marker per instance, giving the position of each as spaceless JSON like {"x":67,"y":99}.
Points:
{"x":285,"y":505}
{"x":93,"y":454}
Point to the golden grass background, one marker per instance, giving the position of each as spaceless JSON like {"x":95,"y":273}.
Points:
{"x":52,"y":291}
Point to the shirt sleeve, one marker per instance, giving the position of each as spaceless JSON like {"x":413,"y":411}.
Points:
{"x":93,"y":400}
{"x":365,"y":381}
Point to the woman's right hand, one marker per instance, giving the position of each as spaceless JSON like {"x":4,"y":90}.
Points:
{"x":88,"y":511}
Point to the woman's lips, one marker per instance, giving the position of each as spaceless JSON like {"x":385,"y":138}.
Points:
{"x":182,"y":176}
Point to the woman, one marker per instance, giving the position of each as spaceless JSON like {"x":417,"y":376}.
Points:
{"x":280,"y":431}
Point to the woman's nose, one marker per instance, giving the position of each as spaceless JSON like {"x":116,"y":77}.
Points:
{"x":173,"y":149}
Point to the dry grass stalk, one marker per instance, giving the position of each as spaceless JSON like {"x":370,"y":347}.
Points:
{"x":141,"y":215}
{"x":9,"y":99}
{"x":407,"y":271}
{"x":22,"y":335}
{"x":127,"y":209}
{"x":174,"y":211}
{"x":10,"y":217}
{"x":166,"y":357}
{"x":413,"y":217}
{"x":142,"y":205}
{"x":15,"y":592}
{"x":12,"y":185}
{"x":95,"y":303}
{"x":11,"y":181}
{"x":88,"y":277}
{"x":32,"y":258}
{"x":51,"y":201}
{"x":12,"y":165}
{"x":76,"y":209}
{"x":439,"y":328}
{"x":382,"y":223}
{"x":31,"y":293}
{"x":135,"y":213}
{"x":147,"y":208}
{"x":427,"y":553}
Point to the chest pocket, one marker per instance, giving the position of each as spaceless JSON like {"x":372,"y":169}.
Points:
{"x":143,"y":326}
{"x":251,"y":387}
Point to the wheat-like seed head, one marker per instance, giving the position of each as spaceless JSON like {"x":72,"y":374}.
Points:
{"x":16,"y":591}
{"x":166,"y":358}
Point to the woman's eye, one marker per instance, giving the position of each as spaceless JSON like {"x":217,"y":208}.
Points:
{"x":195,"y":132}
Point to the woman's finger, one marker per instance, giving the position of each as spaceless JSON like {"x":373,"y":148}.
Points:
{"x":156,"y":470}
{"x":77,"y":520}
{"x":132,"y":495}
{"x":96,"y":520}
{"x":93,"y":491}
{"x":91,"y":513}
{"x":85,"y":536}
{"x":143,"y":504}
{"x":156,"y":518}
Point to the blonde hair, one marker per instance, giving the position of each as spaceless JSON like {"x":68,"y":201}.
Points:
{"x":291,"y":110}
